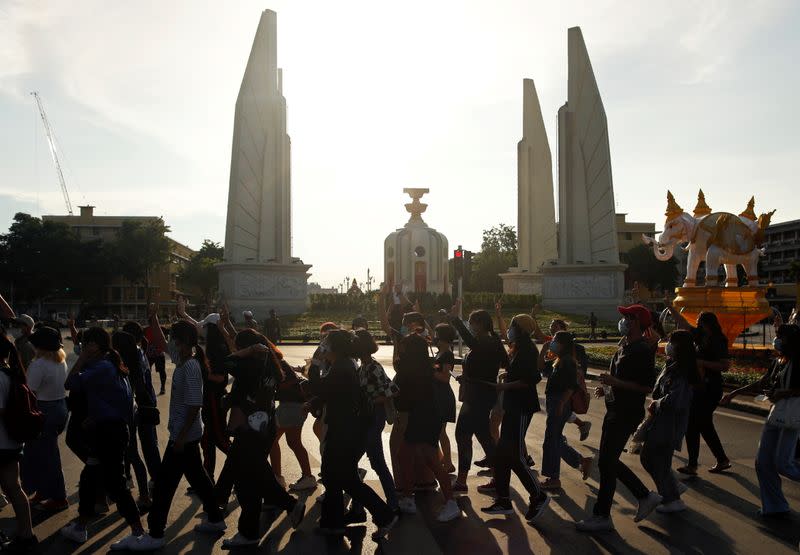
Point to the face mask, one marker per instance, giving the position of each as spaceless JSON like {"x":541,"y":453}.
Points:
{"x":512,"y":334}
{"x":669,"y":350}
{"x":173,"y":352}
{"x":555,"y":348}
{"x":77,"y":348}
{"x":424,"y":333}
{"x":624,"y":326}
{"x":404,"y":330}
{"x":777,"y":344}
{"x":16,"y":333}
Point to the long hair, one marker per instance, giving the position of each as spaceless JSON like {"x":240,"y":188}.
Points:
{"x":365,"y":344}
{"x":125,"y":344}
{"x":101,"y":338}
{"x":685,"y":359}
{"x":567,"y":343}
{"x":710,"y":320}
{"x":137,"y":331}
{"x":249,"y":337}
{"x":186,"y":334}
{"x":58,"y":356}
{"x":8,"y":352}
{"x":483,"y":319}
{"x":216,"y":347}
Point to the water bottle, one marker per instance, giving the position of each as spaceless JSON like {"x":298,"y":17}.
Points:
{"x":608,"y":393}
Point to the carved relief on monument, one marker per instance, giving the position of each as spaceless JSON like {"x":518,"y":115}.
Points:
{"x":581,"y":287}
{"x":257,"y":285}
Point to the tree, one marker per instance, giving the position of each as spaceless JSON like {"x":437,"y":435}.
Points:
{"x":139,"y":249}
{"x":498,"y":254}
{"x":644,"y":267}
{"x":200,"y":273}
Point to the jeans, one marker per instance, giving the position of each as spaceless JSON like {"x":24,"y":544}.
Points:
{"x":775,"y":458}
{"x":555,"y":446}
{"x":148,"y":438}
{"x":510,"y":455}
{"x":254,"y":480}
{"x":105,"y":469}
{"x":133,"y":459}
{"x":343,"y":449}
{"x":41,"y":461}
{"x":616,"y":433}
{"x":174,"y":466}
{"x":377,"y":460}
{"x":657,"y":461}
{"x":473,"y":419}
{"x":701,"y":422}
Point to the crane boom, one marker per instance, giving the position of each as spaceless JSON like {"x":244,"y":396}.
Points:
{"x":52,"y":144}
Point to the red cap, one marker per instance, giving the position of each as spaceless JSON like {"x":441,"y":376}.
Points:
{"x":640,"y":312}
{"x":328,"y":326}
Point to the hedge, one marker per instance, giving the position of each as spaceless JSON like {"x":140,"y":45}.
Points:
{"x":366,"y":303}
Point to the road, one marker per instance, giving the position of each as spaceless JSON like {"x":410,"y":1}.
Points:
{"x":721,"y":517}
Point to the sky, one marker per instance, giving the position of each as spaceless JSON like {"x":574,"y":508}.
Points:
{"x":383,"y":96}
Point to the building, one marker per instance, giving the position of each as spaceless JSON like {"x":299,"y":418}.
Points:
{"x":416,"y":256}
{"x":121,"y":297}
{"x":629,"y":234}
{"x":782,"y":247}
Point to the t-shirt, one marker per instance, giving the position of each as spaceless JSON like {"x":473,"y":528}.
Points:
{"x":523,"y":367}
{"x":563,"y":377}
{"x":482,"y":364}
{"x":153,"y":350}
{"x":633,"y":362}
{"x":187,"y":393}
{"x":147,"y":374}
{"x":46,"y":379}
{"x":711,"y":349}
{"x":5,"y":389}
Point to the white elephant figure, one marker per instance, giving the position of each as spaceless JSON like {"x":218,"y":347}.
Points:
{"x":718,"y":238}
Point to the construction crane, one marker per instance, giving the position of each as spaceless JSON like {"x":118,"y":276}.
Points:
{"x":52,"y":144}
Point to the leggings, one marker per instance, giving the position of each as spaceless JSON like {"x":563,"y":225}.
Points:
{"x":701,"y":423}
{"x":473,"y":419}
{"x":510,"y":455}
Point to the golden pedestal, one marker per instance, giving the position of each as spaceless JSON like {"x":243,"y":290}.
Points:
{"x":736,"y":308}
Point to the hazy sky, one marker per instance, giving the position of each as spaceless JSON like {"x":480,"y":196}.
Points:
{"x":385,"y":95}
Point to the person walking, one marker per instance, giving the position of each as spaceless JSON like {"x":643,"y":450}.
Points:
{"x":520,"y":403}
{"x":775,"y":456}
{"x":102,"y":377}
{"x":272,"y":327}
{"x":42,"y":475}
{"x":561,"y":386}
{"x":630,"y":378}
{"x":156,"y":343}
{"x":444,"y":335}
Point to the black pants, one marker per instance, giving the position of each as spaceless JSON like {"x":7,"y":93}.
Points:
{"x":174,"y":466}
{"x":701,"y":423}
{"x":616,"y":433}
{"x":105,"y":469}
{"x":254,"y":480}
{"x":160,"y":363}
{"x":510,"y":455}
{"x":214,"y":434}
{"x":473,"y":419}
{"x":343,"y":449}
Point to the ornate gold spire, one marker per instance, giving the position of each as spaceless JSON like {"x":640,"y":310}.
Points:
{"x":701,"y":209}
{"x":749,"y":212}
{"x":673,"y":210}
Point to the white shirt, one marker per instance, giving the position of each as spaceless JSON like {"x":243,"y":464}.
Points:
{"x":46,"y":379}
{"x":5,"y":388}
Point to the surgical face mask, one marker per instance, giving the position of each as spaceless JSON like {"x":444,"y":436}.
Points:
{"x":624,"y":326}
{"x":404,"y":330}
{"x":555,"y":348}
{"x":173,"y":352}
{"x":669,"y":350}
{"x":777,"y":344}
{"x":512,"y":334}
{"x":424,"y":333}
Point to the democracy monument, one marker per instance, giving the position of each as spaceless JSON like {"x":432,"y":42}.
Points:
{"x":258,"y":272}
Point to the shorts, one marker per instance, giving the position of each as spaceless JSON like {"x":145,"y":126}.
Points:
{"x":424,"y":426}
{"x":8,"y":456}
{"x":290,"y":415}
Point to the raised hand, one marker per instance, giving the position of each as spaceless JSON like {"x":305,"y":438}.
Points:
{"x":498,"y":306}
{"x":456,"y":310}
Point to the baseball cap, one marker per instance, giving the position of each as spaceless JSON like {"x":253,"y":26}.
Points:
{"x":25,"y":320}
{"x":640,"y":312}
{"x":211,"y":319}
{"x":46,"y":338}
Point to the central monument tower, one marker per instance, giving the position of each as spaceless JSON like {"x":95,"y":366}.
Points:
{"x":258,"y":272}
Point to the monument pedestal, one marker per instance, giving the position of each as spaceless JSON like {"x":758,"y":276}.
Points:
{"x":583,"y":288}
{"x":262,"y":286}
{"x":516,"y":282}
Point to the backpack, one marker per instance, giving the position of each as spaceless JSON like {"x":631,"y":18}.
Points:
{"x":23,"y":419}
{"x":580,"y":397}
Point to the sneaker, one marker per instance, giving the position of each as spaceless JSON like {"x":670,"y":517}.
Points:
{"x":584,"y":430}
{"x":407,"y":505}
{"x":297,"y":513}
{"x":53,"y":505}
{"x":383,"y":531}
{"x":682,"y":487}
{"x":537,"y":507}
{"x":586,"y":467}
{"x":75,"y":532}
{"x":458,"y":488}
{"x":595,"y":524}
{"x":551,"y":484}
{"x":303,"y":484}
{"x":208,"y":527}
{"x":239,"y":541}
{"x":647,"y":506}
{"x":720,"y":467}
{"x":148,"y":543}
{"x":362,"y":473}
{"x":21,"y":545}
{"x":688,"y":470}
{"x":672,"y":507}
{"x":483,"y":463}
{"x":499,"y":507}
{"x":125,"y":544}
{"x":487,"y":488}
{"x":449,"y":511}
{"x":355,"y":516}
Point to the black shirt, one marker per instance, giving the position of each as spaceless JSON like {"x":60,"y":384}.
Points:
{"x":342,"y":396}
{"x":633,"y":362}
{"x":712,"y":349}
{"x":523,"y":367}
{"x":256,"y":382}
{"x":483,"y":362}
{"x":564,"y":377}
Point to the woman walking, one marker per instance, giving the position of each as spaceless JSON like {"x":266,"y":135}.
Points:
{"x":42,"y":475}
{"x":289,"y":419}
{"x":443,"y":338}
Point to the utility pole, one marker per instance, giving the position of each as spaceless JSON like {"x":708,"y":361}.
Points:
{"x":458,"y":267}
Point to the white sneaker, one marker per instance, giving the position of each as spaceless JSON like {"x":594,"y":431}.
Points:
{"x":238,"y":541}
{"x":450,"y":511}
{"x":595,"y":524}
{"x":208,"y":527}
{"x":672,"y":507}
{"x":647,"y":506}
{"x":148,"y":543}
{"x":304,"y":483}
{"x":407,"y":505}
{"x":125,"y":544}
{"x":75,"y":533}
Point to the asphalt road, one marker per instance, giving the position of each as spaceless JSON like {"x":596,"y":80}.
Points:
{"x":721,"y":517}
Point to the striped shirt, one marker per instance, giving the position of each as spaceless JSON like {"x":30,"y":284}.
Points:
{"x":186,"y":393}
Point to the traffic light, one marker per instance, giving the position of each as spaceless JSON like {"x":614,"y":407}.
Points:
{"x":458,"y":263}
